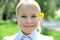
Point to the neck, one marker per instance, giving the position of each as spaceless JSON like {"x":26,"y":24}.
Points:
{"x":25,"y":33}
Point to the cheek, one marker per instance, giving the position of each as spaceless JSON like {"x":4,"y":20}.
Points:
{"x":21,"y":22}
{"x":35,"y":21}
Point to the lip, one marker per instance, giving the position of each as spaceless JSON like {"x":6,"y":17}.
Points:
{"x":29,"y":26}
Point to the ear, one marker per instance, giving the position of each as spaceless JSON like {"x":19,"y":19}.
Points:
{"x":16,"y":18}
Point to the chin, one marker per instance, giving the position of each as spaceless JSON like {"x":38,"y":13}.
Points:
{"x":29,"y":31}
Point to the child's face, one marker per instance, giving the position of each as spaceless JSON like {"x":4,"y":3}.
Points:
{"x":28,"y":19}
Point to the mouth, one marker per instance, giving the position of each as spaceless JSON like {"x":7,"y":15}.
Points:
{"x":29,"y":26}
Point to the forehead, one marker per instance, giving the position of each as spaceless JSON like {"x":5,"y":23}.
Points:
{"x":27,"y":9}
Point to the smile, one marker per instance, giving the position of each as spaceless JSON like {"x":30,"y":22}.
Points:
{"x":29,"y":26}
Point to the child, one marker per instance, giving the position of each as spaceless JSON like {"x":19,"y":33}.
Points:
{"x":27,"y":14}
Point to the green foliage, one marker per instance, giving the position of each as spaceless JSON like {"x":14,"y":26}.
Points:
{"x":8,"y":7}
{"x":56,"y":17}
{"x":48,"y":7}
{"x":57,"y":4}
{"x":7,"y":28}
{"x":53,"y":33}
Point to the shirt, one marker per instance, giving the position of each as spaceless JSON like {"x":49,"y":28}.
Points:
{"x":34,"y":35}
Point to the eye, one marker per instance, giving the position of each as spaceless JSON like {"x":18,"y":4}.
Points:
{"x":23,"y":16}
{"x":34,"y":16}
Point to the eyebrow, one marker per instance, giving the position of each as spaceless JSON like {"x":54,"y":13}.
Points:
{"x":33,"y":13}
{"x":22,"y":14}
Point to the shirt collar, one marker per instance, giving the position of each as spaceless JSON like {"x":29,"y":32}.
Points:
{"x":20,"y":34}
{"x":33,"y":35}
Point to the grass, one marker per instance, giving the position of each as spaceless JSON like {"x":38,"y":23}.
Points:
{"x":53,"y":33}
{"x":9,"y":28}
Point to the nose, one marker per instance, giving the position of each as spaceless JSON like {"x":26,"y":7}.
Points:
{"x":29,"y":20}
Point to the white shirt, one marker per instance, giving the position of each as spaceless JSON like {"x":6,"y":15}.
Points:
{"x":34,"y":35}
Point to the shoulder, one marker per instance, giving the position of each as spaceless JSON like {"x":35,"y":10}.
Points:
{"x":12,"y":37}
{"x":44,"y":37}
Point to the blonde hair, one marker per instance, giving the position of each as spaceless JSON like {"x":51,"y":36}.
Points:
{"x":32,"y":2}
{"x":29,"y":2}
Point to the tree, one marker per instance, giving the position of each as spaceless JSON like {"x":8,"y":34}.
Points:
{"x":57,"y":4}
{"x":48,"y":7}
{"x":7,"y":8}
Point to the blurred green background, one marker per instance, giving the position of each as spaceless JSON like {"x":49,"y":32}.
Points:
{"x":9,"y":26}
